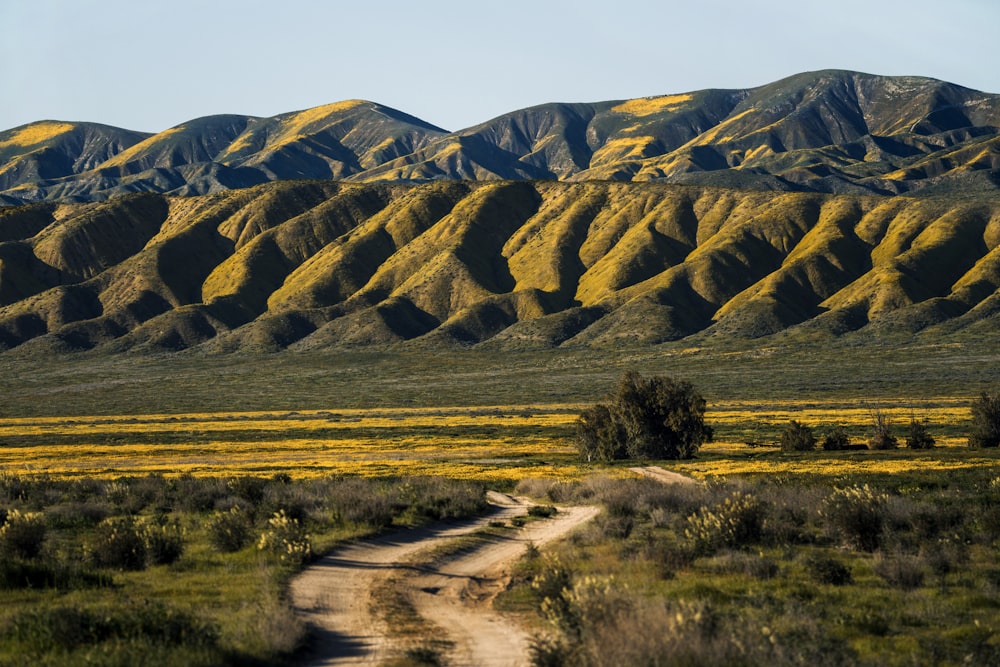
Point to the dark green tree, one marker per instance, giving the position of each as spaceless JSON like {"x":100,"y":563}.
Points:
{"x":647,"y":418}
{"x":985,"y":421}
{"x":918,"y":436}
{"x":797,"y":438}
{"x":836,"y":440}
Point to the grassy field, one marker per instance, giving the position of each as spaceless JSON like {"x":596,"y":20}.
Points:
{"x":347,"y":443}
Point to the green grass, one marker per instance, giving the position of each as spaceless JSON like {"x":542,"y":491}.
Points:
{"x":926,"y":595}
{"x":91,"y":384}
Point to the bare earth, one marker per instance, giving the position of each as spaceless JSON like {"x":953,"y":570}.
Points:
{"x":664,"y":476}
{"x":334,"y":595}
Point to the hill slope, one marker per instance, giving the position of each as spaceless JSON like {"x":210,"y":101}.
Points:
{"x":830,"y":131}
{"x":506,"y":264}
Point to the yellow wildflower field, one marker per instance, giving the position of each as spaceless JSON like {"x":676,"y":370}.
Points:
{"x":487,"y":443}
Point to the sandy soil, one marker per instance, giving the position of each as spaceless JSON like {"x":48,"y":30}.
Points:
{"x":335,"y":594}
{"x":664,"y":476}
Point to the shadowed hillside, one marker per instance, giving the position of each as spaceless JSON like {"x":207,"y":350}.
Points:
{"x":830,"y":131}
{"x":496,"y":264}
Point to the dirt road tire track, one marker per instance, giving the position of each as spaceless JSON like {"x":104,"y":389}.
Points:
{"x":334,"y":594}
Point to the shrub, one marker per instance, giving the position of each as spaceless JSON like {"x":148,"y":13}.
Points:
{"x":858,"y":514}
{"x":164,"y":542}
{"x":118,"y":544}
{"x":229,"y":531}
{"x":67,"y":628}
{"x":831,"y":571}
{"x":286,"y":538}
{"x":900,"y":571}
{"x":797,"y":438}
{"x":985,"y":421}
{"x":542,"y":511}
{"x":22,"y":534}
{"x":918,"y":437}
{"x":654,"y":418}
{"x":736,"y":521}
{"x":882,"y":437}
{"x":748,"y":564}
{"x":836,"y":440}
{"x":76,"y":514}
{"x":19,"y":574}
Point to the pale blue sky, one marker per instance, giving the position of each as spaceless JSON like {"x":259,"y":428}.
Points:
{"x":150,"y":65}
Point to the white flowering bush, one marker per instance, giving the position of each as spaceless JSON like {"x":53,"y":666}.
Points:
{"x":858,"y":514}
{"x":22,"y":534}
{"x":118,"y":544}
{"x":736,"y":521}
{"x":286,"y":538}
{"x":229,"y":531}
{"x":164,"y":541}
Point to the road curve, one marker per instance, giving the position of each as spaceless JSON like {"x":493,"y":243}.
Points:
{"x":334,"y":595}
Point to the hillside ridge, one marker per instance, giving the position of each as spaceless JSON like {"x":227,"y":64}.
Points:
{"x":829,"y":131}
{"x":503,"y":265}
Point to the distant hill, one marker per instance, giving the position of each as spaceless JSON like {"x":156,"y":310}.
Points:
{"x":830,"y":131}
{"x":495,"y":264}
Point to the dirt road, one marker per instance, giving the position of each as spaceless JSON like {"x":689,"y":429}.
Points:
{"x":334,"y":595}
{"x":664,"y":476}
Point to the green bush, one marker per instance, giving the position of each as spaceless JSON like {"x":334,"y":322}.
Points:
{"x":285,"y":538}
{"x":918,"y":436}
{"x":654,"y":418}
{"x":830,"y":571}
{"x":858,"y":514}
{"x":900,"y":571}
{"x":118,"y":544}
{"x":736,"y":521}
{"x":164,"y":542}
{"x":229,"y":531}
{"x":67,"y":628}
{"x":22,"y":534}
{"x":797,"y":438}
{"x":985,"y":431}
{"x":836,"y":440}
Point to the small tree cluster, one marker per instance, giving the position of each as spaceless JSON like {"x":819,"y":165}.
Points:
{"x":797,"y":438}
{"x":985,"y":421}
{"x":836,"y":440}
{"x":647,"y":418}
{"x":919,"y":436}
{"x":882,"y":437}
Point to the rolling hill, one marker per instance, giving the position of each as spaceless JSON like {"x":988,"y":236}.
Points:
{"x":830,"y":131}
{"x":502,"y":264}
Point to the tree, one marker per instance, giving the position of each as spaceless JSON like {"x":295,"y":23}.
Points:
{"x":919,"y":437}
{"x":797,"y":438}
{"x":647,"y":418}
{"x":836,"y":440}
{"x":985,"y":421}
{"x":882,"y":437}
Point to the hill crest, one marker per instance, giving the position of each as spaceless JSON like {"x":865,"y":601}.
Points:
{"x":829,"y":131}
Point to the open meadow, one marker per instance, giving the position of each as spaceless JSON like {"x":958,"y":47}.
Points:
{"x":155,"y":507}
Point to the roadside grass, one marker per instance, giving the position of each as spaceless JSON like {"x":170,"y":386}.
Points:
{"x":794,"y":587}
{"x":207,"y":606}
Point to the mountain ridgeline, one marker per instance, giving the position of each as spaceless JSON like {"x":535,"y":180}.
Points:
{"x":831,"y":131}
{"x":492,"y":264}
{"x":828,"y":204}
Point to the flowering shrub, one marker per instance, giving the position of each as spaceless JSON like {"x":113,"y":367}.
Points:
{"x":22,"y":534}
{"x":738,"y":520}
{"x":118,"y":544}
{"x":164,"y":542}
{"x":286,"y":538}
{"x":858,"y":514}
{"x":229,"y":531}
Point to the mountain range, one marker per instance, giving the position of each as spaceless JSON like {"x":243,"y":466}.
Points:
{"x":828,"y":204}
{"x":829,"y":131}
